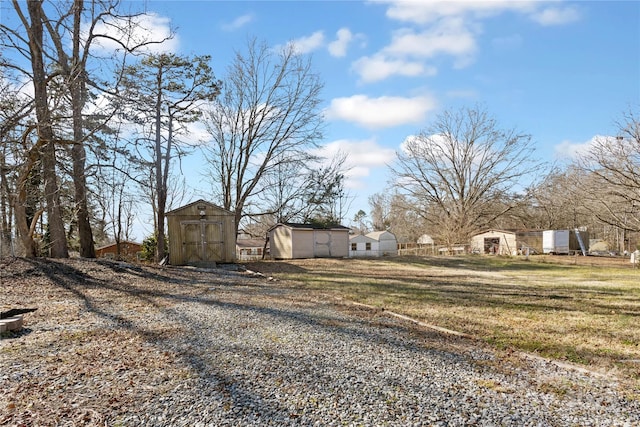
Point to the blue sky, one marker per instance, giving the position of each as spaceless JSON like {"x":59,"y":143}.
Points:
{"x":560,"y":71}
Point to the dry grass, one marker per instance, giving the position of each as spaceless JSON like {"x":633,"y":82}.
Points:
{"x":580,"y":310}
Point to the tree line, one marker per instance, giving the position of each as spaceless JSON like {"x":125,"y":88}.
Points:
{"x":464,"y":174}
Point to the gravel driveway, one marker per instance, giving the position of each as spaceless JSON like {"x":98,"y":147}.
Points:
{"x":114,"y":344}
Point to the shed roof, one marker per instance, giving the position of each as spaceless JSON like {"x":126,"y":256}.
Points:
{"x":123,"y":242}
{"x":250,"y":243}
{"x":495,"y":230}
{"x":309,"y":226}
{"x":176,"y":211}
{"x":381,"y":235}
{"x":361,"y":238}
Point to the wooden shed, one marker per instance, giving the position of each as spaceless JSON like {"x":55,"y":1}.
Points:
{"x":127,"y":251}
{"x":291,"y":240}
{"x":201,"y":234}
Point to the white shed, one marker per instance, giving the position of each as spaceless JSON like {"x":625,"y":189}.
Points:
{"x":361,"y":245}
{"x":376,"y":243}
{"x":290,"y":240}
{"x":387,"y":242}
{"x":494,"y":242}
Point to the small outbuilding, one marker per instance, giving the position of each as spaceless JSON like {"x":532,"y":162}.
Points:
{"x":249,"y":249}
{"x":361,"y":245}
{"x":292,"y":240}
{"x":376,"y":243}
{"x":201,"y":234}
{"x":126,"y":251}
{"x":494,"y":242}
{"x":387,"y":242}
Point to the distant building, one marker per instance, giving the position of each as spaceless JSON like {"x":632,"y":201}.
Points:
{"x":248,"y":249}
{"x":125,"y":251}
{"x":291,"y":240}
{"x":374,"y":244}
{"x":494,"y":242}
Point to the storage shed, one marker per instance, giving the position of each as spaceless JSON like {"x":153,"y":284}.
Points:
{"x":376,"y":243}
{"x":201,"y":234}
{"x":291,"y":240}
{"x":127,"y":251}
{"x":387,"y":242}
{"x":494,"y":242}
{"x":361,"y":245}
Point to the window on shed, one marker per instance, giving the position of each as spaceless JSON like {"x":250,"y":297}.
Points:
{"x":354,"y":246}
{"x":368,"y":246}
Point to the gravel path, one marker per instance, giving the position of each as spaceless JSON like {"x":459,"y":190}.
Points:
{"x":246,"y":351}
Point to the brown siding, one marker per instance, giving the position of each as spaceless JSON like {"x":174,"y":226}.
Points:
{"x":128,"y":251}
{"x":531,"y":240}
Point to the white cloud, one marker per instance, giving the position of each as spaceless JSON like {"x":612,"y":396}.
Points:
{"x":380,"y":67}
{"x":450,"y":37}
{"x":424,"y":12}
{"x":409,"y":48}
{"x":308,"y":44}
{"x":382,"y":112}
{"x":238,"y":23}
{"x":338,"y":47}
{"x":144,"y":28}
{"x":568,"y":150}
{"x":362,"y":156}
{"x":556,"y":16}
{"x":449,"y":28}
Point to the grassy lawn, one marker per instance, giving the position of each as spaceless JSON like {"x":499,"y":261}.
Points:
{"x":587,"y":314}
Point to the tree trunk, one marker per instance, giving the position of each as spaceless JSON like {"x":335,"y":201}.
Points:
{"x":59,"y":247}
{"x":78,"y":153}
{"x":20,"y":210}
{"x":161,"y":190}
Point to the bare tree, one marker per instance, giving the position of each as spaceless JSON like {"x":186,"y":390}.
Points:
{"x":614,"y":165}
{"x":263,"y":125}
{"x":557,"y":202}
{"x":394,"y":212}
{"x":461,"y":172}
{"x":164,"y":93}
{"x":380,"y":204}
{"x":326,"y":198}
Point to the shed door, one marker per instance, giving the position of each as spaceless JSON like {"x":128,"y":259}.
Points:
{"x":491,"y":245}
{"x":322,"y":243}
{"x":202,"y":241}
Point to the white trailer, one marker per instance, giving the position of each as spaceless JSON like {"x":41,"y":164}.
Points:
{"x":555,"y":242}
